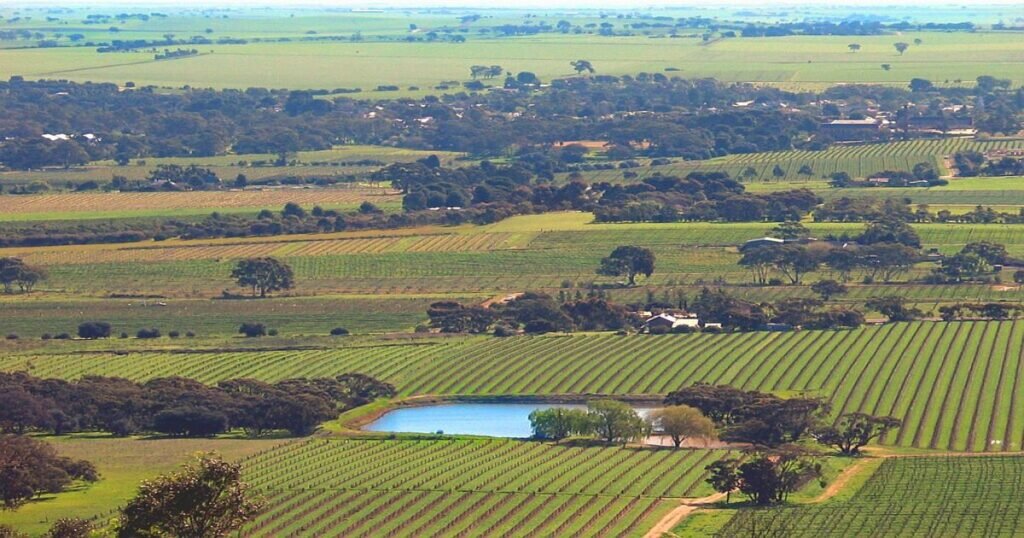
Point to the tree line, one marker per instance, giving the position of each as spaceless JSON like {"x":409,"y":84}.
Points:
{"x":179,"y":407}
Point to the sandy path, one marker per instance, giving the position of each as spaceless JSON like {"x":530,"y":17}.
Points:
{"x":673,"y":518}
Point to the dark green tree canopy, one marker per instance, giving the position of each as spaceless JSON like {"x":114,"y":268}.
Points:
{"x":628,"y":261}
{"x":263,"y":275}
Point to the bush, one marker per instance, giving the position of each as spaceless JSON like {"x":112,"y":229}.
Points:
{"x":421,"y":328}
{"x":47,"y":336}
{"x":92,"y":330}
{"x":173,"y":334}
{"x":190,"y":334}
{"x":503,"y":331}
{"x":124,"y":335}
{"x":272,"y":332}
{"x":12,"y":336}
{"x":682,"y":329}
{"x":339,"y":331}
{"x":62,"y":336}
{"x":148,"y":333}
{"x":253,"y":330}
{"x":658,"y":330}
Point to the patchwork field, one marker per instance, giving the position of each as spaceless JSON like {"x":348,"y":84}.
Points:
{"x":956,"y":386}
{"x":532,"y":252}
{"x":468,"y":488}
{"x":796,"y":62}
{"x":933,"y":496}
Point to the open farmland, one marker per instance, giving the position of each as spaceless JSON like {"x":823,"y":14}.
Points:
{"x":956,"y":386}
{"x":926,"y":496}
{"x":460,"y":488}
{"x":856,"y":160}
{"x":795,"y":62}
{"x":532,"y":252}
{"x":84,"y":206}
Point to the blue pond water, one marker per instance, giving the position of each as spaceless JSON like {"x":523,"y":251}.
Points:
{"x":490,"y":419}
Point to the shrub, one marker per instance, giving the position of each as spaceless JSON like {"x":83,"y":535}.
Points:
{"x":252,"y":330}
{"x":173,"y":334}
{"x":12,"y":336}
{"x":272,"y":332}
{"x":658,"y":329}
{"x":190,"y":334}
{"x":124,"y":334}
{"x":148,"y":333}
{"x":47,"y":336}
{"x":421,"y":328}
{"x":503,"y":331}
{"x":62,"y":336}
{"x":339,"y":331}
{"x":92,"y":330}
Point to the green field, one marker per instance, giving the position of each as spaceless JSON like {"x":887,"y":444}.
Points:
{"x":955,"y":385}
{"x":460,"y":488}
{"x":800,"y":62}
{"x":122,"y":464}
{"x":933,"y":496}
{"x":858,"y":161}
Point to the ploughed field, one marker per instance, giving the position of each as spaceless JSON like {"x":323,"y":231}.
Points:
{"x":329,"y":487}
{"x":919,"y":496}
{"x":956,"y":386}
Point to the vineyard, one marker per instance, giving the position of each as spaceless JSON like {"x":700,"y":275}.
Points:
{"x":468,"y":488}
{"x":857,"y":161}
{"x":927,"y":497}
{"x":956,"y":386}
{"x":292,"y":316}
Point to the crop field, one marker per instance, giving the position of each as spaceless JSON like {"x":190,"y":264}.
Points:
{"x":956,"y":386}
{"x":78,"y":206}
{"x":918,"y":496}
{"x":292,"y":316}
{"x":797,"y":62}
{"x":468,"y":488}
{"x":856,"y":160}
{"x":533,"y":252}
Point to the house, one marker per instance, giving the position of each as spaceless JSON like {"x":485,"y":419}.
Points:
{"x":853,"y":130}
{"x":668,"y":322}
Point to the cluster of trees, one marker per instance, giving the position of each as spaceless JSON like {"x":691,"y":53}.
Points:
{"x":29,"y":468}
{"x":766,"y":477}
{"x":534,"y":313}
{"x":960,"y":311}
{"x":15,"y":273}
{"x":883,"y":261}
{"x":765,"y":420}
{"x":703,"y":196}
{"x":200,"y":122}
{"x":975,"y":261}
{"x":973,"y":163}
{"x":514,"y":189}
{"x":608,"y":420}
{"x":179,"y":407}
